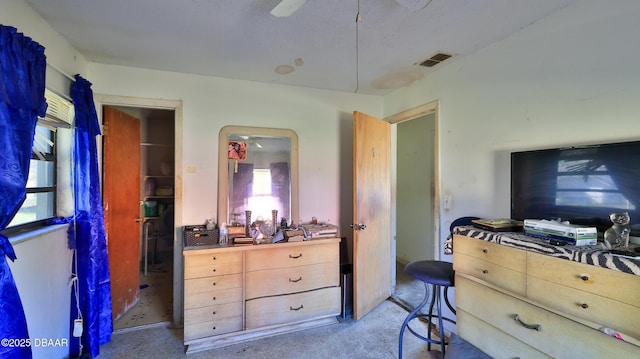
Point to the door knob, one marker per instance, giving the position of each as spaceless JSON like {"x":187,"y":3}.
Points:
{"x":358,"y":227}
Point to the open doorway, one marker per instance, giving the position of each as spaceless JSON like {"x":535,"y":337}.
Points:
{"x":416,"y":215}
{"x":415,"y":189}
{"x":155,"y":216}
{"x":159,"y":262}
{"x":416,"y":182}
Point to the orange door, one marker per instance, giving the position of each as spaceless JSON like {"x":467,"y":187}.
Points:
{"x":122,"y":206}
{"x":372,"y":210}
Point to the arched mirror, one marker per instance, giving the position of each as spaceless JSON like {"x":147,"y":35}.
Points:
{"x":257,"y":171}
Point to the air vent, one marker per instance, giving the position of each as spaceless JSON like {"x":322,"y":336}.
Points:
{"x":60,"y":112}
{"x":435,"y":59}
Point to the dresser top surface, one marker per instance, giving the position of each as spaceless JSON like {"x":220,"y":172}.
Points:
{"x":195,"y":250}
{"x":592,"y":255}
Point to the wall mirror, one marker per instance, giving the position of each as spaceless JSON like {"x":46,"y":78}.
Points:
{"x":257,"y":171}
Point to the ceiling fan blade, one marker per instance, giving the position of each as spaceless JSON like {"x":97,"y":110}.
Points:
{"x":414,"y":5}
{"x":287,"y":7}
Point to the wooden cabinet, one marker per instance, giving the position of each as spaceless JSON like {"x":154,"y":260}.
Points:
{"x":239,"y":293}
{"x":492,"y":262}
{"x":540,"y":306}
{"x":291,"y":284}
{"x":213,"y":294}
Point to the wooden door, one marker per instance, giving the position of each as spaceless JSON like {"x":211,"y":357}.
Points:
{"x":122,"y":206}
{"x":372,"y":208}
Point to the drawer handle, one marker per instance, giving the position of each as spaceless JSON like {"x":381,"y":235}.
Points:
{"x":485,"y":250}
{"x":214,"y":312}
{"x":213,"y":258}
{"x":295,"y":257}
{"x":214,"y":298}
{"x":296,"y":309}
{"x":214,"y":283}
{"x":485,"y":271}
{"x":214,"y":328}
{"x":584,"y":277}
{"x":537,"y":327}
{"x":214,"y":269}
{"x":295,"y":280}
{"x":584,"y":305}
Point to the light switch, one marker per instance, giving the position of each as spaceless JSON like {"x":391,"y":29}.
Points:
{"x":447,"y":201}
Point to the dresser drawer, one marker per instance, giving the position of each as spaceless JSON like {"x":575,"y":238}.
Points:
{"x":492,"y":273}
{"x":511,"y":258}
{"x":595,"y":308}
{"x":213,"y":269}
{"x":557,"y":337}
{"x":292,"y":256}
{"x":291,"y":280}
{"x":491,"y":340}
{"x":205,"y":284}
{"x":293,"y":307}
{"x":605,"y":282}
{"x":212,"y":257}
{"x":213,"y":313}
{"x":216,"y":327}
{"x":206,"y":299}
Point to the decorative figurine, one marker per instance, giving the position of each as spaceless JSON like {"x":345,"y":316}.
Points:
{"x":618,"y":234}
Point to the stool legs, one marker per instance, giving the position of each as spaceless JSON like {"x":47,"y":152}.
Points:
{"x":446,"y":300}
{"x":434,"y":300}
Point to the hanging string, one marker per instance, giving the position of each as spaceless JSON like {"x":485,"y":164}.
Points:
{"x":358,"y":18}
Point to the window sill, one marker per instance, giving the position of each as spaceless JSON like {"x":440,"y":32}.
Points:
{"x":36,"y":233}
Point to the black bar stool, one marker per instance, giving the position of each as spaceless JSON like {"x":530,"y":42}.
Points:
{"x":439,"y":274}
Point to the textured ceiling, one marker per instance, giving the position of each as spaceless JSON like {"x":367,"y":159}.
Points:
{"x":240,"y":39}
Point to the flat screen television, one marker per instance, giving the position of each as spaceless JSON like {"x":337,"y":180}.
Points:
{"x":582,"y":185}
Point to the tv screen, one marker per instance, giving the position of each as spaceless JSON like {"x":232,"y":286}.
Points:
{"x":582,"y":185}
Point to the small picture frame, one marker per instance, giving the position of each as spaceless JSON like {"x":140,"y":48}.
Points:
{"x":237,"y":150}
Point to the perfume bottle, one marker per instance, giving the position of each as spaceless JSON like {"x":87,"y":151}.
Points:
{"x":224,"y":234}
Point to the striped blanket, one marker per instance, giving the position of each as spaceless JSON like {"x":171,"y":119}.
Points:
{"x":594,"y":255}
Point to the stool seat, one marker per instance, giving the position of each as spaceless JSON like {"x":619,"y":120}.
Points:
{"x":432,"y":272}
{"x":439,"y":275}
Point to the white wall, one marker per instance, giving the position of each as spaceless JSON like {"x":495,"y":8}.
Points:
{"x":42,"y":271}
{"x":569,"y":79}
{"x":322,"y":120}
{"x":60,"y":54}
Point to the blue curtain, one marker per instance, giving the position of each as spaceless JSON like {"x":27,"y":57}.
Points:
{"x":22,"y":73}
{"x":87,"y":233}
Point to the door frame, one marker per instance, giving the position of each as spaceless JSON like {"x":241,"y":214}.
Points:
{"x":101,"y":100}
{"x":403,"y":116}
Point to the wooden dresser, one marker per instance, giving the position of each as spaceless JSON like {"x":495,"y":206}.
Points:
{"x":238,"y":293}
{"x":516,"y":303}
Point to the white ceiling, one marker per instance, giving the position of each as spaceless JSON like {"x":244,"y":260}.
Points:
{"x":240,"y":39}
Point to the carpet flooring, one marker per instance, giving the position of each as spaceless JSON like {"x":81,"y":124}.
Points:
{"x":373,"y":336}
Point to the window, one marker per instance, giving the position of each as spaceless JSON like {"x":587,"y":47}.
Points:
{"x":41,"y":202}
{"x":41,"y":184}
{"x":263,"y":202}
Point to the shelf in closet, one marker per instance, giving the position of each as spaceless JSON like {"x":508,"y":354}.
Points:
{"x":158,"y":176}
{"x":158,"y":197}
{"x":149,"y":144}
